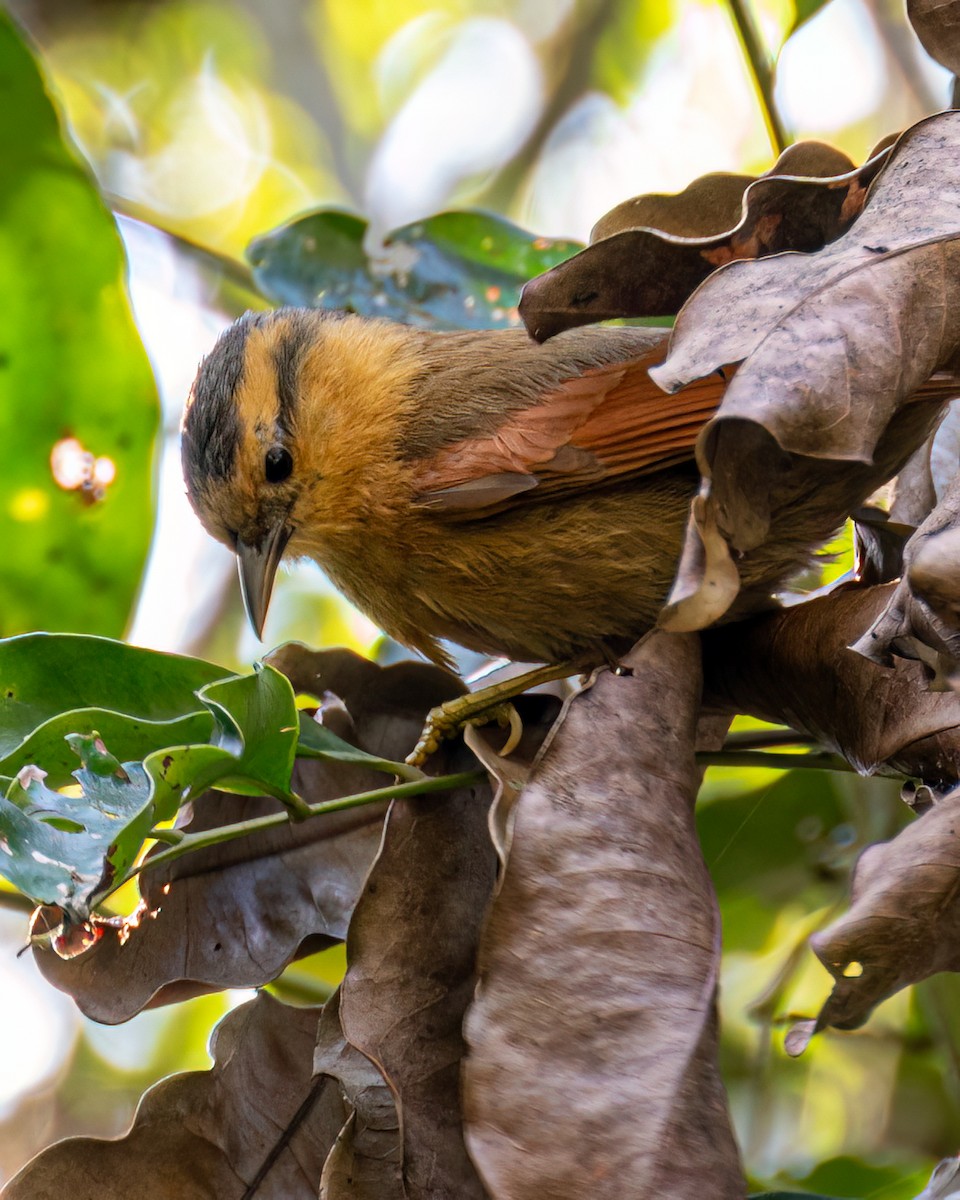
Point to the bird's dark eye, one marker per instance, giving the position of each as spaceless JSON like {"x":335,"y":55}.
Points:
{"x":278,"y":464}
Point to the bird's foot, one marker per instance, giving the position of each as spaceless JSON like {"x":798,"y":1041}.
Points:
{"x":486,"y":704}
{"x":476,"y":708}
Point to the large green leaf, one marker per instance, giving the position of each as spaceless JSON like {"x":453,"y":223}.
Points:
{"x":457,"y":270}
{"x":68,"y":849}
{"x":137,"y":700}
{"x":71,"y":366}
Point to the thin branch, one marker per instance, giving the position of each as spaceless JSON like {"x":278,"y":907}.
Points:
{"x":758,"y":739}
{"x":228,"y":833}
{"x":16,"y":902}
{"x":285,"y":1137}
{"x":582,"y":42}
{"x":818,"y":761}
{"x":762,"y":70}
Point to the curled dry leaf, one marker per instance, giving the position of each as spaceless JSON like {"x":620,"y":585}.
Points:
{"x":236,"y":914}
{"x":207,"y":1135}
{"x":903,"y":923}
{"x":924,"y":481}
{"x":538,"y":713}
{"x":592,"y":1041}
{"x":835,"y":345}
{"x":944,"y":1182}
{"x":411,"y":952}
{"x":650,"y":253}
{"x":794,"y":667}
{"x":364,"y":1163}
{"x":922,"y":617}
{"x":937,"y":24}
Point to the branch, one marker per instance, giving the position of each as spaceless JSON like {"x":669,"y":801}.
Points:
{"x":191,"y":842}
{"x":762,"y":70}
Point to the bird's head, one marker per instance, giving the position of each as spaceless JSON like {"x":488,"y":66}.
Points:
{"x":288,"y":422}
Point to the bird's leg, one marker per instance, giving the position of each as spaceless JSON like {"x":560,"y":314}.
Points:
{"x":487,"y":704}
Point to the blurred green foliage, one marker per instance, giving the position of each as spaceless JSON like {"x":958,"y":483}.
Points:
{"x":73,"y":374}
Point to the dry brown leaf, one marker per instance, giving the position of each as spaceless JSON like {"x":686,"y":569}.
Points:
{"x":924,"y":481}
{"x":903,"y":923}
{"x":206,"y":1135}
{"x":411,"y":952}
{"x":834,"y":345}
{"x":794,"y":667}
{"x":236,"y":914}
{"x":944,"y":1182}
{"x":922,"y":617}
{"x":592,"y":1042}
{"x":937,"y":24}
{"x":650,"y":253}
{"x":879,"y":543}
{"x":364,"y":1163}
{"x":537,"y":714}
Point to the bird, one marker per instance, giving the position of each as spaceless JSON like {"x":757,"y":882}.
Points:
{"x":524,"y":500}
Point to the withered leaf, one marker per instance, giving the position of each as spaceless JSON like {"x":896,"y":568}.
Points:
{"x":937,"y":24}
{"x":236,"y":914}
{"x":924,"y":481}
{"x":649,"y":254}
{"x":922,"y":617}
{"x":592,"y":1041}
{"x":207,"y":1135}
{"x":411,"y":952}
{"x":835,"y":344}
{"x":794,"y":667}
{"x":903,"y":923}
{"x":364,"y":1162}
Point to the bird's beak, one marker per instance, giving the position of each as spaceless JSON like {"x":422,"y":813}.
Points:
{"x":258,"y":568}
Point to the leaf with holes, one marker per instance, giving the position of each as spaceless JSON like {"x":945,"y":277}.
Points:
{"x":457,"y":270}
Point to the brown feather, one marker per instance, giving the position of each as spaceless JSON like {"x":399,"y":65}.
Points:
{"x":609,"y":424}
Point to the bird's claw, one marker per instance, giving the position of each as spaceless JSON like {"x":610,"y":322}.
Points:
{"x":447,"y":720}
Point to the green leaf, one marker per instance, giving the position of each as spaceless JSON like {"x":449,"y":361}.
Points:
{"x":71,"y":366}
{"x":68,"y":850}
{"x":257,"y":725}
{"x":317,"y":741}
{"x":137,"y":700}
{"x":457,"y":270}
{"x":787,"y":1196}
{"x":803,"y":10}
{"x":63,"y":850}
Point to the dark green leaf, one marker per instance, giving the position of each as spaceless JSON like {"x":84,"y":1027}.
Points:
{"x":457,"y":270}
{"x":55,"y":684}
{"x":71,"y":367}
{"x":257,"y":724}
{"x":803,"y":10}
{"x":317,"y":741}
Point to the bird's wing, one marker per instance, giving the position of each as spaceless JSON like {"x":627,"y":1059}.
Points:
{"x":606,"y":424}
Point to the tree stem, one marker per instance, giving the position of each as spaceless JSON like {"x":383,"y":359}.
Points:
{"x":817,"y":761}
{"x":762,"y":70}
{"x":228,"y":833}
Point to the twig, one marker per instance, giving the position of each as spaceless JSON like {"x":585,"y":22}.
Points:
{"x":762,"y":70}
{"x":574,"y":82}
{"x":191,"y":842}
{"x":16,"y":902}
{"x":817,"y":761}
{"x":757,"y":739}
{"x":285,"y":1137}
